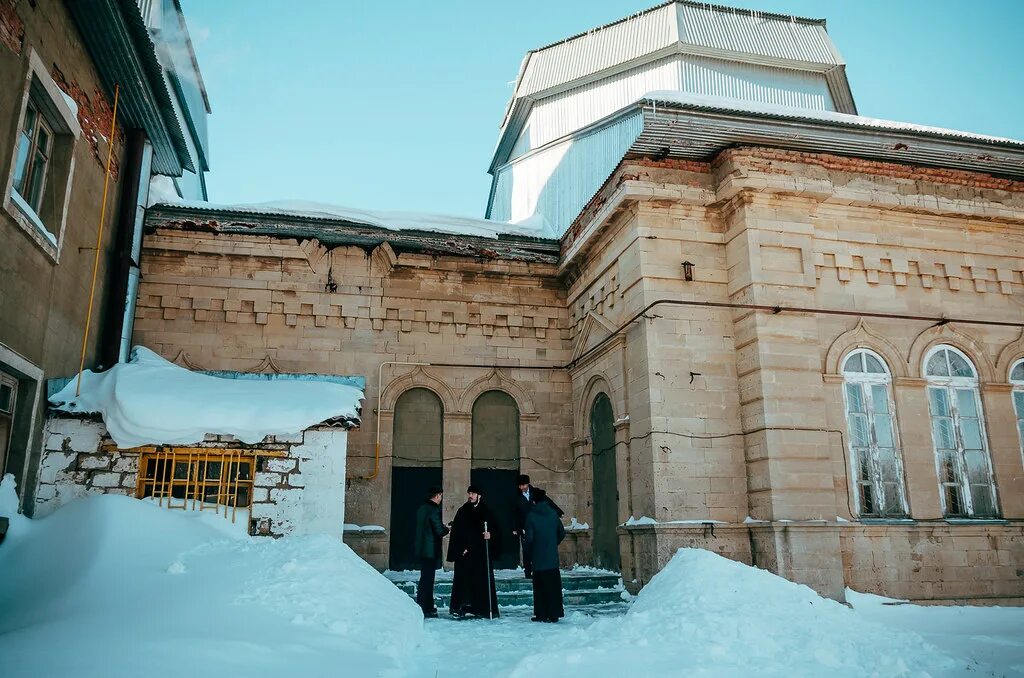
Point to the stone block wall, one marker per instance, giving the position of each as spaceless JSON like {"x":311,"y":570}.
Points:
{"x":301,"y":493}
{"x":936,"y":561}
{"x":259,"y":303}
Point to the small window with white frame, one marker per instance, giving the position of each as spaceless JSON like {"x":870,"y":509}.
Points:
{"x":39,"y":182}
{"x":1017,"y":380}
{"x":875,"y":458}
{"x":962,"y":457}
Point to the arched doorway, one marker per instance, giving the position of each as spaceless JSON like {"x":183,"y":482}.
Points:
{"x":605,"y":484}
{"x":415,"y":466}
{"x":496,"y":466}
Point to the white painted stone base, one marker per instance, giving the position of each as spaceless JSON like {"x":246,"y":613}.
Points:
{"x":301,"y":493}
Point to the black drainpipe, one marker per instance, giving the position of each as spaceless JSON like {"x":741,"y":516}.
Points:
{"x":121,"y":258}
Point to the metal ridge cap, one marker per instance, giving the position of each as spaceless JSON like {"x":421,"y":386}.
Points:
{"x":690,"y":3}
{"x":913,"y":129}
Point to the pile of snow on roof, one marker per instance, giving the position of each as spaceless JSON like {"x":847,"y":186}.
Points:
{"x":534,"y":227}
{"x":150,"y":401}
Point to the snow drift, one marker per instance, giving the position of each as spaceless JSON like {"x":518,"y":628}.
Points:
{"x":706,"y":615}
{"x":111,"y":586}
{"x":149,"y":400}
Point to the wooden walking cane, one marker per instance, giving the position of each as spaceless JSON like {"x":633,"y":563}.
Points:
{"x":487,"y":551}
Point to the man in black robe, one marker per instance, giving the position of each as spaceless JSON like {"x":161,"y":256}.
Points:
{"x":521,"y":509}
{"x":472,"y":549}
{"x":543,"y":533}
{"x":429,"y":530}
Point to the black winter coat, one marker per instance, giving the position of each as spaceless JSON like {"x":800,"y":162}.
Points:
{"x":544,"y":532}
{"x":523,"y":506}
{"x":429,"y":530}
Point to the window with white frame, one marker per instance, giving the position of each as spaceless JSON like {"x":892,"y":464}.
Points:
{"x":874,"y":447}
{"x":41,"y":169}
{"x":1017,"y":379}
{"x":958,"y":433}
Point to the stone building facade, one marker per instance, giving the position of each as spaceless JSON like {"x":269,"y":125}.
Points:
{"x":755,"y":321}
{"x":729,"y":423}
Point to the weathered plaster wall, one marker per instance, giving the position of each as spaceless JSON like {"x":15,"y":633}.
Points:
{"x":43,"y":305}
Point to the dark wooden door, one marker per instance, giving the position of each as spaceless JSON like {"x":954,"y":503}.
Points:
{"x":499,"y":487}
{"x":409,"y":487}
{"x":605,"y":485}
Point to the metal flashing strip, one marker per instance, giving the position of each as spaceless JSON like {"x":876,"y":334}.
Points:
{"x":700,"y":132}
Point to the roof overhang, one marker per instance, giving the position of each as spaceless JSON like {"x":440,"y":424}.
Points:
{"x":700,"y":131}
{"x":121,"y":48}
{"x":335,"y":232}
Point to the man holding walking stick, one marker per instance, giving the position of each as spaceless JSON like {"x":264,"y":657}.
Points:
{"x":470,"y":547}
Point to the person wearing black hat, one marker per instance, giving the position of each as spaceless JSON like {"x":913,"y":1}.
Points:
{"x":523,"y":506}
{"x":429,"y":530}
{"x":543,"y":533}
{"x":471,"y":547}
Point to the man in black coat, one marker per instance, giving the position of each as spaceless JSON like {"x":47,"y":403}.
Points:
{"x":543,"y":533}
{"x":472,"y":549}
{"x":523,"y":506}
{"x":429,"y":530}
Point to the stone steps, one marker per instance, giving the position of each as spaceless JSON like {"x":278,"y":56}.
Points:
{"x":513,"y":591}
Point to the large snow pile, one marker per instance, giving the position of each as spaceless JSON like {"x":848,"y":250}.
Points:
{"x":149,"y":400}
{"x":111,"y":586}
{"x":706,"y":615}
{"x":535,"y":227}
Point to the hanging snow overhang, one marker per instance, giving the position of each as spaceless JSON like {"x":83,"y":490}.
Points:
{"x":123,"y":52}
{"x":151,"y":401}
{"x":700,"y":127}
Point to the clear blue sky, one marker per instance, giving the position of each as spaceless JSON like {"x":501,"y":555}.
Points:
{"x":396,"y":105}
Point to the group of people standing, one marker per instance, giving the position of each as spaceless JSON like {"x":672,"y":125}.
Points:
{"x":476,"y":540}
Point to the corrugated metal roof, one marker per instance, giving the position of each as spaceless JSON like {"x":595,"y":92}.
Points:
{"x":740,"y":106}
{"x":707,"y":28}
{"x":755,"y":33}
{"x":734,"y":39}
{"x":679,"y":125}
{"x":119,"y":43}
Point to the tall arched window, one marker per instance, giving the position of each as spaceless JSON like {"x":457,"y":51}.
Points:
{"x":1017,"y":379}
{"x":958,"y":433}
{"x":495,"y":467}
{"x":496,"y":431}
{"x":416,"y":465}
{"x":418,"y":425}
{"x":874,"y":446}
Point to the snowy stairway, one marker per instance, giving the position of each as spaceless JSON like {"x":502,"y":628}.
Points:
{"x":586,"y":588}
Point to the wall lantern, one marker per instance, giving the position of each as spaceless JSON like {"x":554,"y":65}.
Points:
{"x":687,"y":271}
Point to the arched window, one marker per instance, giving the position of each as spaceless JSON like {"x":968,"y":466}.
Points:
{"x":1017,"y":379}
{"x":418,"y":428}
{"x":874,"y":447}
{"x":958,"y":433}
{"x":496,"y":431}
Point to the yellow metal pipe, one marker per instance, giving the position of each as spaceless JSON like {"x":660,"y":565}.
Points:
{"x":380,"y":392}
{"x":99,"y":239}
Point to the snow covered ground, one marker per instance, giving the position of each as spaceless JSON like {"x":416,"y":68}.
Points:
{"x":111,"y":586}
